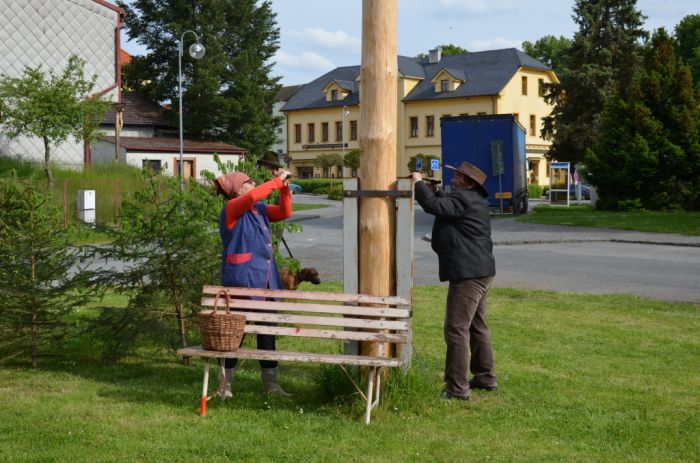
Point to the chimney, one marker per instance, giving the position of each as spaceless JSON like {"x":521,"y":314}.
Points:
{"x":434,"y":55}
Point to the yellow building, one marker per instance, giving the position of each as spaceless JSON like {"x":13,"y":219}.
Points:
{"x":490,"y":82}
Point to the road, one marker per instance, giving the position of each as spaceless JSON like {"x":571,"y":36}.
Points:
{"x":584,"y":260}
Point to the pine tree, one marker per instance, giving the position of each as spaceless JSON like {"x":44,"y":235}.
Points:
{"x":38,"y":279}
{"x":649,"y":152}
{"x":227,"y":95}
{"x":603,"y":57}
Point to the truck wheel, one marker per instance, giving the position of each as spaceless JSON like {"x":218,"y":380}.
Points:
{"x":521,"y":205}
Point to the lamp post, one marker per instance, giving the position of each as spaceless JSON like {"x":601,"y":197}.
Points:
{"x":346,"y":112}
{"x":197,"y":52}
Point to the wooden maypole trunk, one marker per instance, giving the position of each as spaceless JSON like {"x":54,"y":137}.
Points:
{"x":378,"y":112}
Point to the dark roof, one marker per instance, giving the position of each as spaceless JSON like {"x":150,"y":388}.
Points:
{"x":484,"y":73}
{"x":139,"y":110}
{"x":172,"y":145}
{"x":287,"y":92}
{"x":348,"y":85}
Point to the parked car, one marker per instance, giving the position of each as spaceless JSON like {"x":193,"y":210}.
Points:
{"x":296,"y":188}
{"x":585,"y":191}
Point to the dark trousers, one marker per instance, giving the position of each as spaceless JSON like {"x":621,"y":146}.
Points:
{"x":466,"y":330}
{"x":264,"y":342}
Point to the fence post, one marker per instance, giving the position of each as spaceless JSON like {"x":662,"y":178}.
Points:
{"x":117,"y":201}
{"x":65,"y":202}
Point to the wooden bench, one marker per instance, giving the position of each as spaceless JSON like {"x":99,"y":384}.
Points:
{"x":320,"y":316}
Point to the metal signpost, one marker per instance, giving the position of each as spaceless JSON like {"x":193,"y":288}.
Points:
{"x":497,"y":167}
{"x":558,"y":170}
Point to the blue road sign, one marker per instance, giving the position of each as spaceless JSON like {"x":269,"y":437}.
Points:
{"x":419,"y":164}
{"x":434,"y":164}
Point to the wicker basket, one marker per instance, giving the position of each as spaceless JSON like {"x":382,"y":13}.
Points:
{"x":221,"y":331}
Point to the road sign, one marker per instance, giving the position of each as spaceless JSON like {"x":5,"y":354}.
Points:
{"x":497,"y":157}
{"x":419,"y":164}
{"x":434,"y":164}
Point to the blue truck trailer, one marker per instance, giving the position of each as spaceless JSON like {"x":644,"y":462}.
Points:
{"x":496,"y":145}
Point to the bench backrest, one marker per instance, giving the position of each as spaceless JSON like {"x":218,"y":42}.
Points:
{"x":346,"y":317}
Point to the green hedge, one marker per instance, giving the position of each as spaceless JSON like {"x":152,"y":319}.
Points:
{"x":315,"y":185}
{"x":534,"y":190}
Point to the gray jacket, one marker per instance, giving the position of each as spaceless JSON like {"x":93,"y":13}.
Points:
{"x":461,"y":232}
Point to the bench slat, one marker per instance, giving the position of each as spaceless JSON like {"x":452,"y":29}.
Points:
{"x":256,"y":354}
{"x":322,"y":321}
{"x":308,"y":295}
{"x":312,"y":308}
{"x":327,"y":334}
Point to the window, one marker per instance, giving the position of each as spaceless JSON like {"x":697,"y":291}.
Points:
{"x":444,"y":85}
{"x":312,"y":133}
{"x":524,"y":85}
{"x":429,"y":126}
{"x":533,"y":124}
{"x":334,"y":95}
{"x":338,"y":130}
{"x":324,"y":131}
{"x":297,"y":133}
{"x":153,"y":165}
{"x":540,"y":87}
{"x":414,"y":127}
{"x":353,"y":130}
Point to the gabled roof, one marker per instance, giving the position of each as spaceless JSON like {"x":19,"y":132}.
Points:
{"x":457,"y":74}
{"x":485,"y":72}
{"x":139,"y":110}
{"x":172,"y":145}
{"x":287,"y":92}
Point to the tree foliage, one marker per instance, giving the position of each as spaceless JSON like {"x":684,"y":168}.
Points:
{"x":168,"y":247}
{"x":52,"y":107}
{"x":39,"y":282}
{"x":603,"y":57}
{"x":552,"y":52}
{"x":687,"y":35}
{"x":228,"y":93}
{"x":351,"y":159}
{"x":649,"y":152}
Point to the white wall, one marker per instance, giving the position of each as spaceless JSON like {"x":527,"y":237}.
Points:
{"x":202,"y":161}
{"x":45,"y":33}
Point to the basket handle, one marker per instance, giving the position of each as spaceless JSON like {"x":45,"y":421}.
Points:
{"x":216,"y":302}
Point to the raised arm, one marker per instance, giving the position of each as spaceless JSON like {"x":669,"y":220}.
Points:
{"x":439,"y":205}
{"x":237,"y":206}
{"x":284,"y":210}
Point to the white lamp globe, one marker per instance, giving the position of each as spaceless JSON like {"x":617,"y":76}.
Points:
{"x":197,"y":50}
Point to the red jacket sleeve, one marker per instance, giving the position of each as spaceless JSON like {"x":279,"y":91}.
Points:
{"x":237,"y":206}
{"x":284,"y":210}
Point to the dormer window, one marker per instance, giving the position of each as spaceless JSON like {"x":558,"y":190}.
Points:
{"x":334,"y":95}
{"x":338,"y":90}
{"x":445,"y":85}
{"x":448,"y":80}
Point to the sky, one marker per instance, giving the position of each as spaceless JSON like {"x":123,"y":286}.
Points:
{"x":319,"y":35}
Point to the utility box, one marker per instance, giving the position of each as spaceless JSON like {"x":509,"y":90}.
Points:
{"x":86,"y":206}
{"x":496,"y":145}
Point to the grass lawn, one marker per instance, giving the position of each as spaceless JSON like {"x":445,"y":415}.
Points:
{"x":296,"y":207}
{"x":581,"y":378}
{"x":680,"y":222}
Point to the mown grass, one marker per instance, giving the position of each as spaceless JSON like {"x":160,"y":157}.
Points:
{"x":680,"y":222}
{"x":296,"y":207}
{"x":581,"y":378}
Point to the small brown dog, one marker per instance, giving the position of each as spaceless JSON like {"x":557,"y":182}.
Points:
{"x":293,"y":280}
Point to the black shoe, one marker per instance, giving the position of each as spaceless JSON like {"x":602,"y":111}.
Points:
{"x":448,"y":395}
{"x":474,"y":385}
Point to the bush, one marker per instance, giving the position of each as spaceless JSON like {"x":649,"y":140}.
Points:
{"x":336,"y":192}
{"x":314,"y":185}
{"x":534,"y":190}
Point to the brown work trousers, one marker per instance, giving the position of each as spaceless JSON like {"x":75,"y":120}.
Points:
{"x":466,"y":329}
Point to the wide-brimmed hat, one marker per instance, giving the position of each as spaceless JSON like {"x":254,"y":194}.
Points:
{"x":230,"y":184}
{"x":473,"y":173}
{"x":271,"y":159}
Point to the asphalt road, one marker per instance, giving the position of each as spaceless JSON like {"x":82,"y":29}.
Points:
{"x":533,"y":256}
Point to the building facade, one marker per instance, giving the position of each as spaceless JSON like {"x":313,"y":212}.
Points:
{"x":285,"y":93}
{"x":323,"y":117}
{"x":46,"y":33}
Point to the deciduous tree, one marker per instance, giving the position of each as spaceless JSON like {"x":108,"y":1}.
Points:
{"x":52,"y":107}
{"x":687,"y":35}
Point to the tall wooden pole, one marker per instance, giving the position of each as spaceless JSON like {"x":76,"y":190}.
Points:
{"x":378,"y":108}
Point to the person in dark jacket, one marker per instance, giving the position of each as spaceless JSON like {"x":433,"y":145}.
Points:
{"x":247,"y":259}
{"x":461,"y":238}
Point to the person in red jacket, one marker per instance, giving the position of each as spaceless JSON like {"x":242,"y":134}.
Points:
{"x":248,"y":259}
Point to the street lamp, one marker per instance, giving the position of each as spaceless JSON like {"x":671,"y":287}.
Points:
{"x":197,"y":52}
{"x":346,"y":112}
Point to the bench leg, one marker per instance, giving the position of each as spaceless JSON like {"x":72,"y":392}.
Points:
{"x":378,"y":386}
{"x":370,"y":390}
{"x":205,"y":386}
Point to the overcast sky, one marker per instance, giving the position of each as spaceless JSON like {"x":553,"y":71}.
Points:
{"x":319,"y":35}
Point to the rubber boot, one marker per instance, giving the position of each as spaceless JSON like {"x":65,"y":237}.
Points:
{"x":225,"y":375}
{"x":270,"y":380}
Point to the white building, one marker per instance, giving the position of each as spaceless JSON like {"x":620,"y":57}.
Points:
{"x":281,"y":99}
{"x":46,"y":33}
